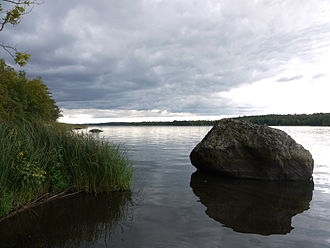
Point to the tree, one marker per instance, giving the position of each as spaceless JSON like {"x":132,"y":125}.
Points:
{"x":11,"y":12}
{"x":21,"y":97}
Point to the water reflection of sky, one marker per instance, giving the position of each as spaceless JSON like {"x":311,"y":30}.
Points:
{"x":314,"y":139}
{"x":171,"y":206}
{"x":317,"y":141}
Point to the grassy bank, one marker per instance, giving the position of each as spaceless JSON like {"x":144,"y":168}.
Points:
{"x":38,"y":158}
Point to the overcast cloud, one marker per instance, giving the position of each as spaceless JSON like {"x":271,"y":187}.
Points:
{"x":177,"y":58}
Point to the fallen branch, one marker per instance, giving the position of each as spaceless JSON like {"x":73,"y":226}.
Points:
{"x":41,"y":200}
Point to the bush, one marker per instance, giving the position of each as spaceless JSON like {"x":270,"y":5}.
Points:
{"x":22,"y":97}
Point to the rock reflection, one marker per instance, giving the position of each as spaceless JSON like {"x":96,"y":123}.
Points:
{"x":252,"y":206}
{"x":75,"y":221}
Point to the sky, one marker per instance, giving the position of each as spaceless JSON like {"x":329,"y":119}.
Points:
{"x":144,"y":60}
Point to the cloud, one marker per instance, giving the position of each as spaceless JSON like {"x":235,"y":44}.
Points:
{"x":101,"y":116}
{"x":169,"y":55}
{"x":303,"y":95}
{"x":319,"y":76}
{"x":285,"y":79}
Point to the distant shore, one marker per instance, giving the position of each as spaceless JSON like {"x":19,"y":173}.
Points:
{"x":318,"y":119}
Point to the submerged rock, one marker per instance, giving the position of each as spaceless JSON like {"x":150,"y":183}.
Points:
{"x":95,"y":130}
{"x":244,"y":150}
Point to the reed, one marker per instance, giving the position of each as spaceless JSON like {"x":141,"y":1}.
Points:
{"x":38,"y":158}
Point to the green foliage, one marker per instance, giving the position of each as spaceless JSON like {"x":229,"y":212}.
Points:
{"x":11,"y":12}
{"x":13,"y":16}
{"x":21,"y":97}
{"x":28,"y":173}
{"x":38,"y":158}
{"x":318,"y":119}
{"x":159,"y":123}
{"x":6,"y":203}
{"x":59,"y":181}
{"x":21,"y":58}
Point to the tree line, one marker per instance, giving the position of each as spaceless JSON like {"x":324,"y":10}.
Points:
{"x":155,"y":123}
{"x":318,"y":119}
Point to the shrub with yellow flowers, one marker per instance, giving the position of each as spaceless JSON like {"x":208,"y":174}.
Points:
{"x":29,"y":171}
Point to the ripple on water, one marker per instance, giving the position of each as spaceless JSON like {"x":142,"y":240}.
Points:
{"x":170,"y":206}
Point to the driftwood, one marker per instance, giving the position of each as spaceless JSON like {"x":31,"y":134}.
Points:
{"x":41,"y":200}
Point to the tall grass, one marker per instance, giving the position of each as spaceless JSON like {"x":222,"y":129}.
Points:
{"x":38,"y":158}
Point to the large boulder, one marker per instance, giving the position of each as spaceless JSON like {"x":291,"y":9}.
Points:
{"x":244,"y":150}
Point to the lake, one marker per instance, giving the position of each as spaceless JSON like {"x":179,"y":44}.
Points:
{"x":170,"y":205}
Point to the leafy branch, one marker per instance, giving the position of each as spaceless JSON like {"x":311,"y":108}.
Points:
{"x":13,"y":15}
{"x":19,"y":57}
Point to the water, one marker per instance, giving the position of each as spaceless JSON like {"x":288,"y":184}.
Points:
{"x":171,"y":205}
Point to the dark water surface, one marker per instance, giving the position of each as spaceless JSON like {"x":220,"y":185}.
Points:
{"x":171,"y":205}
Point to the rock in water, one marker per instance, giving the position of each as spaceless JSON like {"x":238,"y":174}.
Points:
{"x":95,"y":130}
{"x":244,"y":150}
